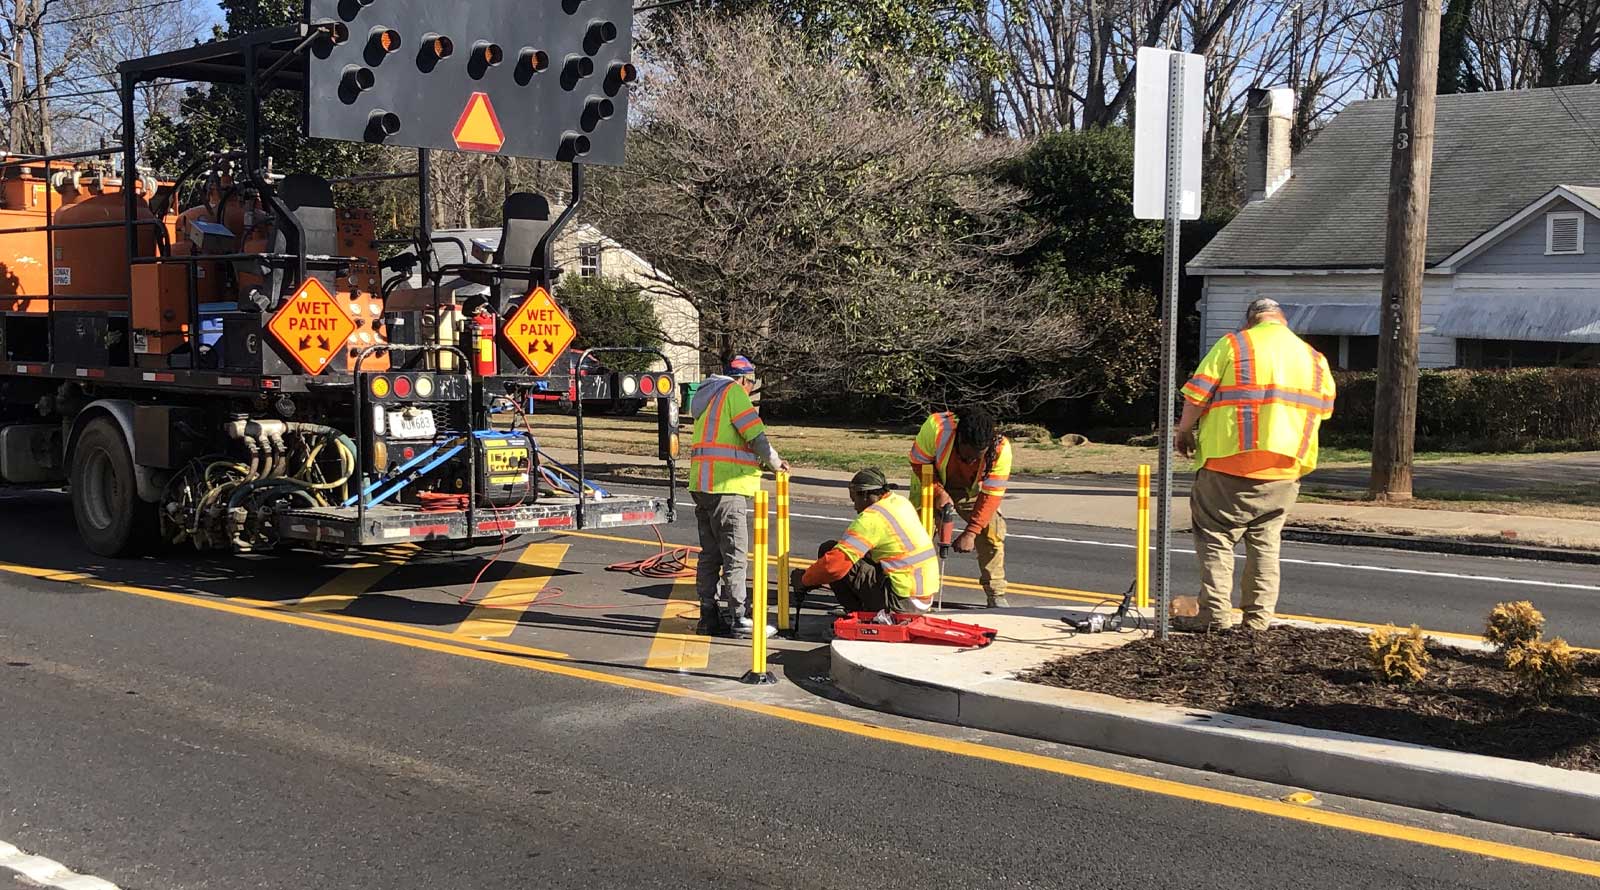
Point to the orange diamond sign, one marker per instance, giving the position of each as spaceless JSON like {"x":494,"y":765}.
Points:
{"x":312,"y":325}
{"x":479,"y":127}
{"x":539,"y":331}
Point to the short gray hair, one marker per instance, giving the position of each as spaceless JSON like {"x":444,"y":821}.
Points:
{"x":1262,"y":307}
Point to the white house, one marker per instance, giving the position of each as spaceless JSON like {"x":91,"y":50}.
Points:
{"x":1513,"y":256}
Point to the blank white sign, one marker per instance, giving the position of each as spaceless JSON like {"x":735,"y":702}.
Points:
{"x":1152,"y":76}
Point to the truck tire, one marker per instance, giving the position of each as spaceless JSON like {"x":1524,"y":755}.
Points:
{"x":112,"y":520}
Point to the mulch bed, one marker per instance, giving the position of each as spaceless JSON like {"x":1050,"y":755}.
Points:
{"x":1321,"y":679}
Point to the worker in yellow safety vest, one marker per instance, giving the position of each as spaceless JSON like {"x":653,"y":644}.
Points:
{"x":971,"y":467}
{"x":886,"y":559}
{"x":730,"y":449}
{"x":1259,"y":397}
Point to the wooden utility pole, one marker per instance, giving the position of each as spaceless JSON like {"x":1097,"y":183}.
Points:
{"x":1410,"y":172}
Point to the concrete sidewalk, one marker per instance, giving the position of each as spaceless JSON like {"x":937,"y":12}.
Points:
{"x":977,"y":688}
{"x":1110,"y":502}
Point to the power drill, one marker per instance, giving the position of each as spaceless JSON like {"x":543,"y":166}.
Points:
{"x":1097,"y":623}
{"x":946,"y":522}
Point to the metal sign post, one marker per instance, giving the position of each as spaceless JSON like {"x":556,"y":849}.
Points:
{"x":1173,"y":151}
{"x":1169,"y":343}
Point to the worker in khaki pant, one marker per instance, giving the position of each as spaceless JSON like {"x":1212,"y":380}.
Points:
{"x":971,"y":466}
{"x":1258,"y":397}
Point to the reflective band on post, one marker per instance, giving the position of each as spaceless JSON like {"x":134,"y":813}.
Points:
{"x":783,"y":551}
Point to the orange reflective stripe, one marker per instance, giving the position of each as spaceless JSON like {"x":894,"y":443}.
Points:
{"x":854,"y":543}
{"x":1310,"y":430}
{"x":947,"y":434}
{"x":746,"y":420}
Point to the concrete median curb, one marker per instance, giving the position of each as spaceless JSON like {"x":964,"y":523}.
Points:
{"x":957,"y":687}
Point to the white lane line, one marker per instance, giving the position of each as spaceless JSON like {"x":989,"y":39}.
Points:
{"x":48,"y":872}
{"x":1319,"y":563}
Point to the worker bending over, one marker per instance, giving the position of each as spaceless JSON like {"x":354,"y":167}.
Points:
{"x":730,"y":448}
{"x":885,"y":561}
{"x":971,"y":466}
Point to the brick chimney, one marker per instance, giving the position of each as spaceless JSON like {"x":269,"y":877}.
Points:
{"x":1267,"y":159}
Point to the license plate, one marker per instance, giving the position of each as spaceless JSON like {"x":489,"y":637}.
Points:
{"x":409,"y":425}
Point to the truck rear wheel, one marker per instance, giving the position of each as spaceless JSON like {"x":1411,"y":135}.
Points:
{"x":111,"y":518}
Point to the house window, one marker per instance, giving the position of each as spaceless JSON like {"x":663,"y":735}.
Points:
{"x":589,"y":260}
{"x":1563,"y":233}
{"x":1526,"y":354}
{"x":1346,"y":353}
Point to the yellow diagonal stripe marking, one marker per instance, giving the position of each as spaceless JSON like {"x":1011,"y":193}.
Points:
{"x":676,"y":647}
{"x":351,"y":583}
{"x":497,"y":614}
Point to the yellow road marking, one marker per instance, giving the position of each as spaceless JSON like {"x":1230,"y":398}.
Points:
{"x":676,"y":647}
{"x":351,"y":583}
{"x":354,"y":626}
{"x":1089,"y":596}
{"x":499,"y":612}
{"x":1103,"y":775}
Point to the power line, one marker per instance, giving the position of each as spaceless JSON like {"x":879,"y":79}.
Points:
{"x":1583,"y":124}
{"x":89,"y":16}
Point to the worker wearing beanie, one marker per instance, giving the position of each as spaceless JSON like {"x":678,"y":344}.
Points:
{"x":886,"y":560}
{"x":725,"y":461}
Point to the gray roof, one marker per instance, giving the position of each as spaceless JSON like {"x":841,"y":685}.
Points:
{"x":1494,"y":154}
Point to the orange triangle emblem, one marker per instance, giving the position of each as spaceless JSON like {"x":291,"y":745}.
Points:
{"x":479,"y":127}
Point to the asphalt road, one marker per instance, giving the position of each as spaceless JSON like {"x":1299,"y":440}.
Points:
{"x":275,"y":722}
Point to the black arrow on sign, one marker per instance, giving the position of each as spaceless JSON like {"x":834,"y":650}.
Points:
{"x":305,"y":342}
{"x":549,"y":348}
{"x":323,"y":344}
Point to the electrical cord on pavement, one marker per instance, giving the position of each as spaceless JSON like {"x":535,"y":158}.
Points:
{"x":664,"y":565}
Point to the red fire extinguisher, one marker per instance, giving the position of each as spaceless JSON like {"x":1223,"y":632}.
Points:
{"x":485,"y":365}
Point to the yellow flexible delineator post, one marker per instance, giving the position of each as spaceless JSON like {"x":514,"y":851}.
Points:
{"x":758,"y":599}
{"x":925,"y":508}
{"x":1141,"y":544}
{"x":783,"y":552}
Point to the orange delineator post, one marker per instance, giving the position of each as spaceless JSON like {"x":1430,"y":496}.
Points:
{"x":925,"y":508}
{"x":758,"y":598}
{"x":783,"y":552}
{"x":1141,"y":545}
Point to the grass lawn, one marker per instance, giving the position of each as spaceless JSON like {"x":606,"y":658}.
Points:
{"x":1578,"y":501}
{"x":835,"y":447}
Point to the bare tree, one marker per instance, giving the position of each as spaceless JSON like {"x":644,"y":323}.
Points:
{"x":833,"y":221}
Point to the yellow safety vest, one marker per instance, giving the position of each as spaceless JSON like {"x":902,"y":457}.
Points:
{"x":721,"y":460}
{"x":1264,"y":389}
{"x":890,"y":532}
{"x":934,"y":445}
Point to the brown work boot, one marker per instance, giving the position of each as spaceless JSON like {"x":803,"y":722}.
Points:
{"x":998,"y":602}
{"x":1198,"y":624}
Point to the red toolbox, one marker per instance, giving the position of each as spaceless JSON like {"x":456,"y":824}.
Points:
{"x":912,"y":628}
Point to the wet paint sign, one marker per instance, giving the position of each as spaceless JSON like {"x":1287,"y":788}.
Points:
{"x":312,"y":326}
{"x":539,"y":331}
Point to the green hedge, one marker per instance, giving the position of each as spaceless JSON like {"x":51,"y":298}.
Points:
{"x":1529,"y":409}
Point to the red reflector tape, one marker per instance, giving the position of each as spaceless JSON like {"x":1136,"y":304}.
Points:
{"x":638,"y":515}
{"x":555,"y":521}
{"x":500,"y":526}
{"x":420,"y":530}
{"x":90,"y":372}
{"x":26,"y":369}
{"x":159,"y":378}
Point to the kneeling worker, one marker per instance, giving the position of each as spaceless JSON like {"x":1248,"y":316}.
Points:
{"x":886,"y":560}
